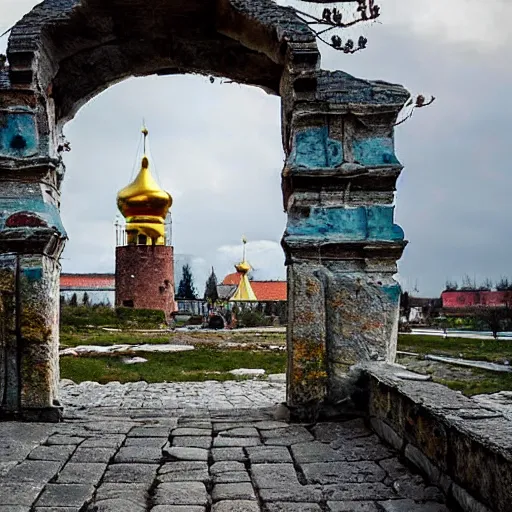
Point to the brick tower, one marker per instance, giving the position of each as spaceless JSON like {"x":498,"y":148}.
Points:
{"x":144,"y":254}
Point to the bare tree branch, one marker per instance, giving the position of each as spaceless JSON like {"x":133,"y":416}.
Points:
{"x":366,"y":10}
{"x":419,"y":103}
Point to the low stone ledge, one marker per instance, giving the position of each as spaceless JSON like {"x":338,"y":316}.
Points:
{"x":463,"y":448}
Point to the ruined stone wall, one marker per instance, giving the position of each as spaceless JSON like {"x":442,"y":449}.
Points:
{"x":341,"y":242}
{"x":459,"y":445}
{"x":338,"y":183}
{"x":145,"y":277}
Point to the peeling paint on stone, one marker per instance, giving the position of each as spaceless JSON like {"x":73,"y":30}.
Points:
{"x":393,"y":292}
{"x":49,"y":213}
{"x":312,"y":148}
{"x":33,"y":274}
{"x":346,"y":223}
{"x":18,"y":135}
{"x":374,"y":151}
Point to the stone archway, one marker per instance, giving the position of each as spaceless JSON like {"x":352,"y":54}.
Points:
{"x":339,"y":178}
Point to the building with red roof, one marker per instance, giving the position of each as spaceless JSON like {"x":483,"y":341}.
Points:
{"x":265,"y":291}
{"x":100,"y":288}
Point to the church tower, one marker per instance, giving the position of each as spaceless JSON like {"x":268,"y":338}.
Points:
{"x":244,"y":292}
{"x":144,"y":252}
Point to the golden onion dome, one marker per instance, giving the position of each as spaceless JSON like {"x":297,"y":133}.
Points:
{"x":144,"y":200}
{"x":243,"y":267}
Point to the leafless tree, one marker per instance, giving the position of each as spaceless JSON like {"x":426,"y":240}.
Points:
{"x":347,"y":13}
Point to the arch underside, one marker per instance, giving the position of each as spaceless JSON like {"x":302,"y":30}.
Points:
{"x":85,"y":46}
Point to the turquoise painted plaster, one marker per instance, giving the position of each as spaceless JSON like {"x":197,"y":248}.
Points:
{"x":374,"y":151}
{"x":312,"y":148}
{"x":33,"y":274}
{"x":393,"y":292}
{"x":47,"y":211}
{"x":351,"y":224}
{"x":380,"y":223}
{"x":18,"y":135}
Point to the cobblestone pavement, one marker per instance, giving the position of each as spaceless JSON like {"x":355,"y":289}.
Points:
{"x":139,"y":448}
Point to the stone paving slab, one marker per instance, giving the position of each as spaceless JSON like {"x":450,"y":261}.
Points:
{"x":200,"y":455}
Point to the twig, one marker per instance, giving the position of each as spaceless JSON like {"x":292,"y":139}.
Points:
{"x":420,"y":103}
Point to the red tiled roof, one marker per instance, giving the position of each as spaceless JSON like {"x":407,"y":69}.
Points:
{"x":269,"y":290}
{"x":233,"y":278}
{"x":264,"y":290}
{"x":87,"y":281}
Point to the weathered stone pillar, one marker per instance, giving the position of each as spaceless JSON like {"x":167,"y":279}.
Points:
{"x":31,"y":241}
{"x":341,"y":243}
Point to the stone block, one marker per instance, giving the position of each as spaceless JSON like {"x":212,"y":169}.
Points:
{"x":344,"y":472}
{"x":423,"y":463}
{"x":229,"y":442}
{"x":411,"y":506}
{"x":240,"y":432}
{"x":293,"y":507}
{"x":106,"y":441}
{"x":231,"y":477}
{"x":33,"y":471}
{"x":185,"y":453}
{"x":466,"y":502}
{"x":81,"y":473}
{"x":226,"y":454}
{"x":292,"y":494}
{"x":358,"y":492}
{"x":193,"y":441}
{"x":131,"y":473}
{"x":12,"y":493}
{"x":352,"y":506}
{"x":328,"y":432}
{"x":315,"y":452}
{"x":386,"y":433}
{"x":267,"y":476}
{"x":262,"y":454}
{"x":83,"y":455}
{"x":178,"y":508}
{"x":132,"y":497}
{"x":65,"y":495}
{"x":59,"y":453}
{"x":287,"y":436}
{"x":238,"y":491}
{"x":150,"y":432}
{"x":227,"y":466}
{"x":138,"y":454}
{"x":154,"y":442}
{"x":181,"y":493}
{"x":236,"y":506}
{"x":191,"y":431}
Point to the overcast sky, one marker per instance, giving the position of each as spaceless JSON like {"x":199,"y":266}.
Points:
{"x":217,"y":150}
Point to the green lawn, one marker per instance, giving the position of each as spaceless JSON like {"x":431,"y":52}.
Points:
{"x":480,"y":382}
{"x":73,"y":337}
{"x":483,"y":350}
{"x":197,"y":365}
{"x":207,"y":362}
{"x":470,"y":381}
{"x":69,"y":338}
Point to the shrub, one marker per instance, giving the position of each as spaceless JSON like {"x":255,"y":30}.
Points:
{"x":80,"y":317}
{"x":253,"y":319}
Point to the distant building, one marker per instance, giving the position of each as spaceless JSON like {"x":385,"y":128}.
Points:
{"x":144,"y":254}
{"x":242,"y":289}
{"x":100,"y":288}
{"x":476,"y":298}
{"x":264,"y":291}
